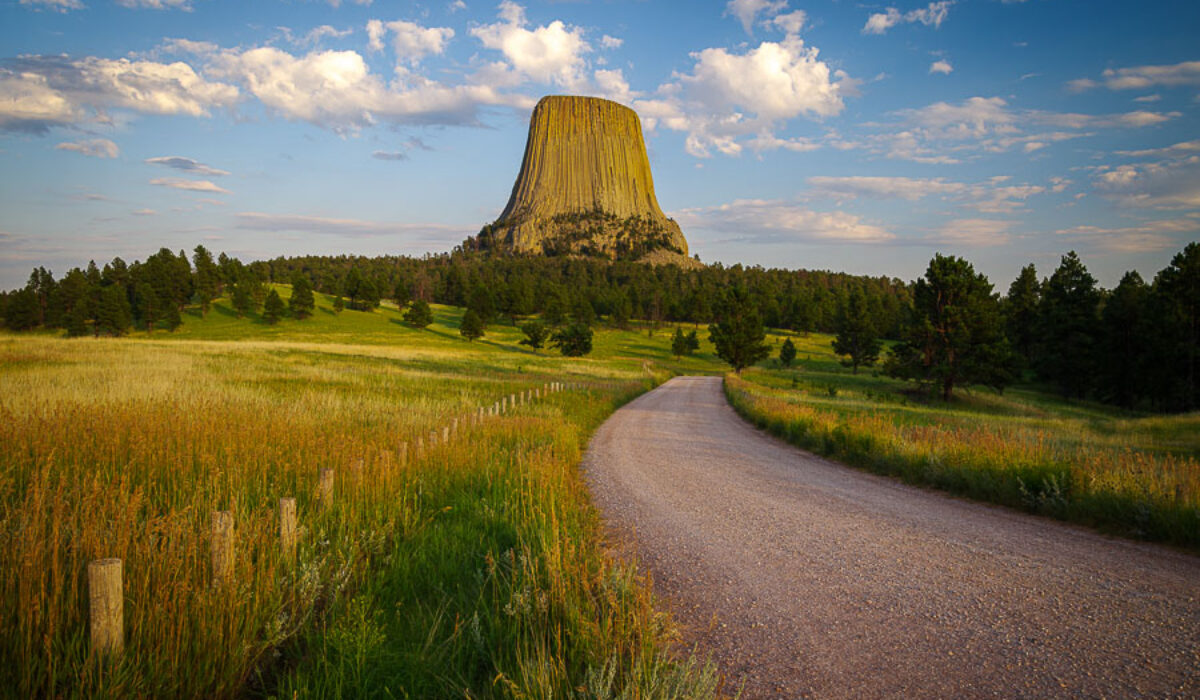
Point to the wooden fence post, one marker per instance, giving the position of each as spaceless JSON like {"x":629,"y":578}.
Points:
{"x":446,"y":434}
{"x":222,"y":546}
{"x":287,"y":527}
{"x":403,"y":453}
{"x":106,"y":602}
{"x":325,"y":487}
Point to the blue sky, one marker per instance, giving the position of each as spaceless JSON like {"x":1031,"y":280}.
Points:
{"x":860,"y":137}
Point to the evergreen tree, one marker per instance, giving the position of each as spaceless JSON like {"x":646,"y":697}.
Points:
{"x":1068,"y":326}
{"x":419,"y":315}
{"x":472,"y":326}
{"x":739,"y":337}
{"x":693,"y":342}
{"x":401,"y":294}
{"x":339,"y":304}
{"x":22,"y":313}
{"x":76,"y":323}
{"x":583,"y":312}
{"x":1177,"y":324}
{"x":1123,"y":341}
{"x":1021,"y":312}
{"x":856,"y":338}
{"x":147,"y":306}
{"x":574,"y":341}
{"x":241,"y":299}
{"x":113,"y":316}
{"x":273,"y":308}
{"x":555,"y":312}
{"x":956,"y":334}
{"x":482,"y":303}
{"x":301,"y":303}
{"x":207,"y":279}
{"x":787,"y":353}
{"x":171,"y":317}
{"x":679,"y":345}
{"x":536,"y":334}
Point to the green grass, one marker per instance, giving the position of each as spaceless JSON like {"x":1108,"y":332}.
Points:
{"x":1133,"y":475}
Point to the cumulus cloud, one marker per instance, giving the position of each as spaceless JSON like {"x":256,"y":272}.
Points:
{"x":610,"y":42}
{"x":791,"y":22}
{"x":314,"y":36}
{"x":55,"y":5}
{"x":187,"y":165}
{"x":192,"y":185}
{"x":729,"y":97}
{"x":1167,"y":184}
{"x":777,"y":221}
{"x":96,"y":148}
{"x":747,"y":11}
{"x":1178,"y":150}
{"x":991,"y":196}
{"x":1143,"y":77}
{"x":410,"y":41}
{"x":933,"y":15}
{"x":551,"y":53}
{"x":37,"y":92}
{"x":942,"y":67}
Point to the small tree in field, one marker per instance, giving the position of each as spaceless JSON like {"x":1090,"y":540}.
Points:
{"x":419,"y":314}
{"x":856,"y":334}
{"x":273,"y":308}
{"x":574,"y":341}
{"x":536,"y":334}
{"x":787,"y":353}
{"x":739,"y":337}
{"x":471,"y":326}
{"x":302,"y":302}
{"x":679,"y":343}
{"x":693,"y":343}
{"x":339,"y":304}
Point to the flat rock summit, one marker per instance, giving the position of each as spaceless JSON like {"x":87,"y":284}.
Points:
{"x":585,"y":188}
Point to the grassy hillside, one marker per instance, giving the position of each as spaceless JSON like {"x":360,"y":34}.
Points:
{"x":472,"y":567}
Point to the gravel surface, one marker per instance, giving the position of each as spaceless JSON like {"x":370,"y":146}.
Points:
{"x":805,"y":578}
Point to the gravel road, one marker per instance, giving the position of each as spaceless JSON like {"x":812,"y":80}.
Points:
{"x":804,"y":578}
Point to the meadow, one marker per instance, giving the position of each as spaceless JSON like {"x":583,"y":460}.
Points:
{"x":467,"y":567}
{"x":1128,"y":474}
{"x":472,"y":566}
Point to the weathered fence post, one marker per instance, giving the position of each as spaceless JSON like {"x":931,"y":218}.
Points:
{"x":446,"y":434}
{"x":106,"y":602}
{"x":403,"y":453}
{"x":287,"y":527}
{"x":222,"y":547}
{"x":325,"y":487}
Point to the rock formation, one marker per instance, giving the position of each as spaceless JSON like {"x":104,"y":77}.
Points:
{"x":585,"y":188}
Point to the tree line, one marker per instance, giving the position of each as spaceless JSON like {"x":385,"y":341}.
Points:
{"x":1134,"y":346}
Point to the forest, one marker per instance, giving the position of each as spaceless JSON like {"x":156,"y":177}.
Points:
{"x":1135,"y":346}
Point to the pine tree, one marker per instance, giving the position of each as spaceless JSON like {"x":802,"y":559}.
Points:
{"x":419,"y":315}
{"x":739,"y":337}
{"x":574,"y":341}
{"x":1068,"y":328}
{"x":273,"y":308}
{"x":679,"y":346}
{"x":956,"y":334}
{"x":22,"y":313}
{"x":693,"y":342}
{"x":536,"y":334}
{"x":401,"y":294}
{"x":241,"y":299}
{"x":1021,"y":312}
{"x":302,"y":303}
{"x":1123,"y":340}
{"x":207,"y":279}
{"x":113,"y":316}
{"x":787,"y":353}
{"x":471,"y":326}
{"x":339,"y":304}
{"x":856,"y":338}
{"x":1177,"y":322}
{"x":482,"y":303}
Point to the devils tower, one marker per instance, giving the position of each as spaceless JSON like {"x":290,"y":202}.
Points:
{"x":585,"y":188}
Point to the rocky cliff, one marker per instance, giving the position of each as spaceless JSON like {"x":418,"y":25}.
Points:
{"x":585,"y":187}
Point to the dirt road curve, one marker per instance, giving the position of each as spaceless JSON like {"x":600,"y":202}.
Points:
{"x":804,"y":578}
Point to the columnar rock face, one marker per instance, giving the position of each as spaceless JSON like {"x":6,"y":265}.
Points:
{"x":585,"y":187}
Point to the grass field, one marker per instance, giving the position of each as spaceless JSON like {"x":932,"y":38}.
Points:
{"x":473,"y":568}
{"x":1131,"y":475}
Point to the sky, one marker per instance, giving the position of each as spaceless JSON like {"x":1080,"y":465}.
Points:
{"x":850,"y":136}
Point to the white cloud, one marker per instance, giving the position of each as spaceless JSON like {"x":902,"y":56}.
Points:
{"x":776,"y":221}
{"x":456,"y":6}
{"x":1140,"y":238}
{"x":611,"y":84}
{"x":410,"y":41}
{"x":96,"y":148}
{"x":1168,"y":184}
{"x":41,"y":91}
{"x":143,"y":212}
{"x":990,"y":197}
{"x":1143,"y":77}
{"x":610,"y":42}
{"x":354,"y":228}
{"x":314,"y":36}
{"x":1148,"y":98}
{"x":746,"y":11}
{"x":187,"y":165}
{"x":790,"y":23}
{"x":1182,"y":149}
{"x":551,"y":53}
{"x":185,"y":5}
{"x":56,"y":5}
{"x":934,"y":14}
{"x":942,"y":67}
{"x":191,"y":185}
{"x":974,"y":233}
